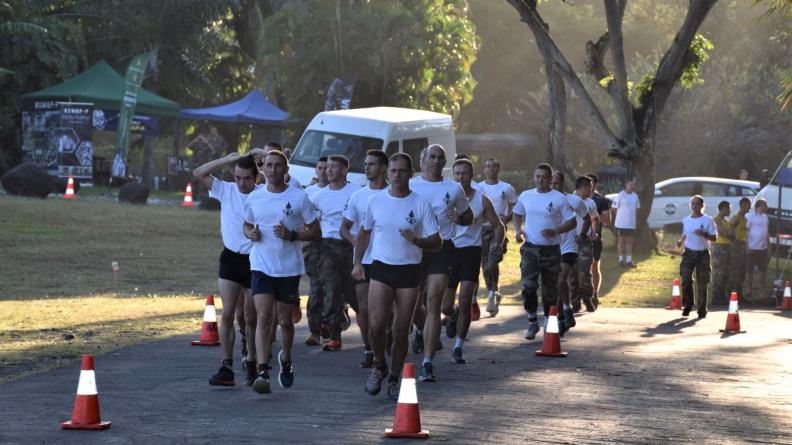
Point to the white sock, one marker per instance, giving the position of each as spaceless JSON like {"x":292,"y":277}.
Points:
{"x":629,"y":258}
{"x":566,"y":307}
{"x":621,"y":258}
{"x":458,"y":342}
{"x":427,"y":360}
{"x":532,"y":317}
{"x":491,"y":294}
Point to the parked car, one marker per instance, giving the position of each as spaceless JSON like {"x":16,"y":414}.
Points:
{"x":770,"y":194}
{"x":671,"y":202}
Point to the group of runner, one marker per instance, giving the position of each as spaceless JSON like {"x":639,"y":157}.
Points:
{"x":404,"y":252}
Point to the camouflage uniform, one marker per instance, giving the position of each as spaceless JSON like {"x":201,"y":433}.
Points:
{"x":698,"y":261}
{"x":335,"y":274}
{"x":585,"y":290}
{"x":720,"y":272}
{"x":489,"y":262}
{"x":536,"y":261}
{"x":736,"y":265}
{"x":315,"y":291}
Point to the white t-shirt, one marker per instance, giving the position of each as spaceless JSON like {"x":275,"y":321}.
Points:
{"x":386,"y":215}
{"x":232,"y":214}
{"x":312,"y":190}
{"x":292,"y":208}
{"x":591,"y":206}
{"x":627,"y":205}
{"x":356,"y":213}
{"x":758,"y":226}
{"x":543,"y":211}
{"x":569,"y":239}
{"x":469,"y":236}
{"x":501,"y":194}
{"x":441,"y":195}
{"x":689,"y":227}
{"x":331,"y":205}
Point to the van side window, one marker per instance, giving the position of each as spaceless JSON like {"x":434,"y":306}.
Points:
{"x":413,"y":148}
{"x":746,"y":191}
{"x":393,"y":147}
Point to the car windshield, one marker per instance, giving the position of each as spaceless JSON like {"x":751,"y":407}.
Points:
{"x":315,"y":144}
{"x":786,"y":164}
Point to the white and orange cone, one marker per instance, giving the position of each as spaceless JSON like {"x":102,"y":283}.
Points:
{"x":676,"y":301}
{"x":551,"y":341}
{"x":209,"y":334}
{"x":407,"y":421}
{"x":116,"y":270}
{"x":70,"y":189}
{"x":733,"y":318}
{"x":188,"y":201}
{"x":786,"y":303}
{"x":85,"y":415}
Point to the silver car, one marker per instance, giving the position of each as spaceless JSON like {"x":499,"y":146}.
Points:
{"x":671,"y":202}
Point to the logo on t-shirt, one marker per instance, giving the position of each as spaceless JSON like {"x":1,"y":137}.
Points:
{"x":410,"y":217}
{"x":447,"y":199}
{"x":346,"y":204}
{"x":550,"y":208}
{"x":503,"y":194}
{"x":288,"y":209}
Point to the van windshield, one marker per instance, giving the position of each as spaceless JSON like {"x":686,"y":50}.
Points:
{"x":786,"y":163}
{"x":315,"y":144}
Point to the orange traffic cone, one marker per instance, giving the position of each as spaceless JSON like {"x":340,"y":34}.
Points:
{"x":209,"y":335}
{"x":475,"y":311}
{"x":70,"y":189}
{"x":85,"y":415}
{"x":407,"y":422}
{"x":733,"y":319}
{"x":188,"y":202}
{"x":551,"y":342}
{"x":676,"y":302}
{"x":786,"y":303}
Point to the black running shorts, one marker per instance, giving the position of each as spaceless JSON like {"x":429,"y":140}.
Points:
{"x":465,"y":265}
{"x":596,"y":247}
{"x":235,"y":267}
{"x":438,"y":262}
{"x":406,"y":276}
{"x":569,"y":258}
{"x":285,"y":289}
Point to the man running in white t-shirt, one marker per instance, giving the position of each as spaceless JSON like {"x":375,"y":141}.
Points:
{"x":626,"y":206}
{"x":466,"y":260}
{"x":547,"y":215}
{"x":234,"y":276}
{"x":335,"y":264}
{"x":398,"y":224}
{"x":311,"y":258}
{"x":698,"y":230}
{"x":503,"y":198}
{"x":273,"y":217}
{"x":451,"y":208}
{"x":375,"y":166}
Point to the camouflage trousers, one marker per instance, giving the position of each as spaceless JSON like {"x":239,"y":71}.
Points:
{"x":581,"y":286}
{"x":721,"y":270}
{"x":490,"y":264}
{"x":539,"y":262}
{"x":697,"y":261}
{"x":315,"y":291}
{"x":335,"y":273}
{"x":737,"y":265}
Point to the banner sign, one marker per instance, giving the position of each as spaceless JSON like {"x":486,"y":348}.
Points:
{"x":40,"y":122}
{"x":105,"y":120}
{"x":75,"y":145}
{"x":132,"y":82}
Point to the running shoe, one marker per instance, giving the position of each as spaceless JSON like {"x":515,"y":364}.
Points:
{"x":589,"y":302}
{"x":296,"y":314}
{"x":686,"y":311}
{"x":533,"y":329}
{"x":475,"y":311}
{"x":456,"y":357}
{"x":562,"y":327}
{"x":418,"y":343}
{"x":451,"y":326}
{"x":346,"y":322}
{"x":570,"y":319}
{"x":426,"y":374}
{"x":286,"y":373}
{"x":491,"y":307}
{"x":576,"y":306}
{"x":374,"y":382}
{"x":332,"y":345}
{"x":313,"y":340}
{"x":262,"y":384}
{"x":393,"y":388}
{"x":702,"y":314}
{"x":368,"y":360}
{"x":595,"y":301}
{"x":324,"y":331}
{"x":224,"y":377}
{"x":250,"y":372}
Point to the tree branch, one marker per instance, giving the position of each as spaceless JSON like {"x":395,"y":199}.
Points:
{"x":614,"y":12}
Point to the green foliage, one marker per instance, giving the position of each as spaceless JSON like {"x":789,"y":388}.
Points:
{"x":415,"y":53}
{"x":697,"y":54}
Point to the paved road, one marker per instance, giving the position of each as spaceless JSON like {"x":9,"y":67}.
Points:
{"x":632,"y":376}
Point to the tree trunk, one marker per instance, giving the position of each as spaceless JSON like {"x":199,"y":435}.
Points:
{"x":643,"y":169}
{"x":148,"y":162}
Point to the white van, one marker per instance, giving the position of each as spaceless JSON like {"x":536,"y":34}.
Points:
{"x":353,"y":132}
{"x":770,"y":194}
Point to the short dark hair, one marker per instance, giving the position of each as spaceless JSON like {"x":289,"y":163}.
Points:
{"x":582,"y":181}
{"x":321,"y":159}
{"x":593,"y":177}
{"x":745,"y":199}
{"x":402,"y":156}
{"x":629,"y":179}
{"x":723,"y":204}
{"x":277,"y":153}
{"x":275,"y":146}
{"x":463,"y":161}
{"x":248,"y":163}
{"x":382,"y":158}
{"x":560,"y":175}
{"x":341,"y":159}
{"x":545,"y":166}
